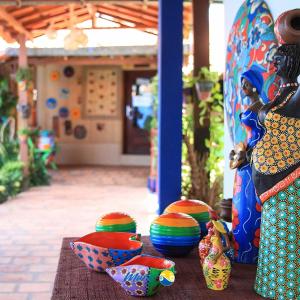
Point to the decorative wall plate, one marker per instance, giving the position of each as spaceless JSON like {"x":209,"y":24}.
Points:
{"x":64,"y":93}
{"x":251,"y":42}
{"x":51,"y":103}
{"x":63,"y":112}
{"x":75,"y":113}
{"x":80,"y":132}
{"x":69,"y":71}
{"x":54,"y":75}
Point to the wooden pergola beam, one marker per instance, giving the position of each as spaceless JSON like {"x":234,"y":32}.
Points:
{"x":18,"y":26}
{"x":44,"y":22}
{"x":133,"y":13}
{"x":65,"y":2}
{"x":39,"y":14}
{"x":6,"y":35}
{"x":112,"y":61}
{"x":60,"y":25}
{"x":122,"y":16}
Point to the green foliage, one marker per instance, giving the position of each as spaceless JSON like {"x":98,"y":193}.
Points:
{"x":11,"y":169}
{"x":213,"y":109}
{"x":206,"y":75}
{"x":215,"y":162}
{"x":38,"y":172}
{"x":7,"y":100}
{"x":154,"y":91}
{"x":24,"y":74}
{"x":11,"y":177}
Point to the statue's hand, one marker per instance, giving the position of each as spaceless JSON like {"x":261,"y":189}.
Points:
{"x":237,"y":157}
{"x":231,"y":154}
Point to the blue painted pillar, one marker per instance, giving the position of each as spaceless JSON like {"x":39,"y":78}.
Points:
{"x":170,"y":101}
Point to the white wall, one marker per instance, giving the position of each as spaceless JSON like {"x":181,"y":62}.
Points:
{"x":231,"y":8}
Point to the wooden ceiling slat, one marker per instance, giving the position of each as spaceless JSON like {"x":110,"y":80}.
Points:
{"x":14,"y":23}
{"x":139,"y":14}
{"x":63,"y":24}
{"x":38,"y":17}
{"x":43,"y":13}
{"x":17,"y":11}
{"x":6,"y":34}
{"x":114,"y":13}
{"x":44,"y":22}
{"x":149,"y":9}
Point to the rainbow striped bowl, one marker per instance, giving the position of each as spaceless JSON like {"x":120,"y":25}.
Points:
{"x":174,"y":234}
{"x":116,"y":222}
{"x":197,"y":209}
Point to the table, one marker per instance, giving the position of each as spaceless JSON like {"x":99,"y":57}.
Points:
{"x":75,"y":282}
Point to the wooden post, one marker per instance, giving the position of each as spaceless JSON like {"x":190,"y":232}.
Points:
{"x":201,"y":59}
{"x":22,"y":123}
{"x":170,"y":56}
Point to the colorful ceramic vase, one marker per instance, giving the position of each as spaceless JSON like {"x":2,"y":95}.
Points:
{"x":216,"y":266}
{"x":174,"y":234}
{"x":101,"y":250}
{"x":206,"y":244}
{"x":199,"y":210}
{"x":143,"y":275}
{"x":116,"y":221}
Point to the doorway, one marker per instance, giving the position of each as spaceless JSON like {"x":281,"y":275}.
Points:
{"x":138,"y":111}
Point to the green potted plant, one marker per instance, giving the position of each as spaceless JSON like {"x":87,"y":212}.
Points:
{"x":205,"y":82}
{"x":24,"y":78}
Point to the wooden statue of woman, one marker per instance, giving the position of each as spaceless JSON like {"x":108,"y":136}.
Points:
{"x":246,"y":209}
{"x":276,"y":172}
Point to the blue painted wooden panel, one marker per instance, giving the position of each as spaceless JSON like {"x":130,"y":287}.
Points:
{"x":170,"y":101}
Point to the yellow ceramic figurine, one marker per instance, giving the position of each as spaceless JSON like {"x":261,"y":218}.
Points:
{"x":216,"y":266}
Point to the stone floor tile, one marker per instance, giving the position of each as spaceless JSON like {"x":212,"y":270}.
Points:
{"x":13,"y":296}
{"x":35,"y":287}
{"x":7,"y":287}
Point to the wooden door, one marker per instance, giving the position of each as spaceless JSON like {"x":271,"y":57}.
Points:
{"x":137,"y":112}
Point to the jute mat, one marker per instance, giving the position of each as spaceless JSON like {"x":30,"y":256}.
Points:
{"x":75,"y":282}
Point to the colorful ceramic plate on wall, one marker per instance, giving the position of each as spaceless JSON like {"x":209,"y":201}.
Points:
{"x":69,"y":71}
{"x":80,"y":132}
{"x":54,"y":75}
{"x":51,"y":103}
{"x":64,"y":93}
{"x":75,"y":113}
{"x":63,"y":112}
{"x":251,"y":42}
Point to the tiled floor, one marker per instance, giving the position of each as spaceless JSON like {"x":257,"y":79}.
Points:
{"x":33,"y":224}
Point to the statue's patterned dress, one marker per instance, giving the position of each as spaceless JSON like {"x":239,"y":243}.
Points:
{"x":246,"y":210}
{"x":278,"y":273}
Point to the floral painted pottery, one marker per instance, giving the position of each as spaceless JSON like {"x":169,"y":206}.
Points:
{"x":143,"y":275}
{"x":116,"y":221}
{"x":101,"y":250}
{"x":174,"y":234}
{"x":206,"y":244}
{"x":197,"y":209}
{"x":216,"y":265}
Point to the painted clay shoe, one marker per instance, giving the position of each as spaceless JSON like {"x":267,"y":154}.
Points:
{"x":116,"y":222}
{"x":144,"y":275}
{"x":101,"y":250}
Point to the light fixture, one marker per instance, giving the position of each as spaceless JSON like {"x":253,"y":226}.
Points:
{"x":76,"y":38}
{"x":51,"y":32}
